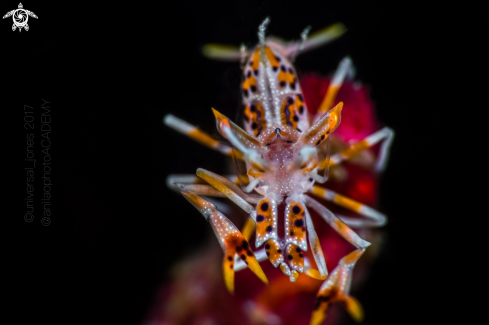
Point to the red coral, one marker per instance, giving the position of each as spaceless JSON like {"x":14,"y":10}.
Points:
{"x":358,"y":116}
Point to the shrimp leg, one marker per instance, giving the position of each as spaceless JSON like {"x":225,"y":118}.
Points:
{"x":337,"y":286}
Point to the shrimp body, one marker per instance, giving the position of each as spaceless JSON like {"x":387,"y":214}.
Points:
{"x":285,"y":152}
{"x":272,"y":96}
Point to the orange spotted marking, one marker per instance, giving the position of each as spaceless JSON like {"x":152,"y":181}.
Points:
{"x":272,"y":58}
{"x":295,"y":257}
{"x":327,"y":297}
{"x":249,"y":84}
{"x":323,"y":302}
{"x":326,"y":125}
{"x":256,"y":116}
{"x":235,"y":243}
{"x":274,"y":252}
{"x":255,"y":61}
{"x":285,"y":73}
{"x":291,"y":110}
{"x":295,"y":224}
{"x":266,"y":224}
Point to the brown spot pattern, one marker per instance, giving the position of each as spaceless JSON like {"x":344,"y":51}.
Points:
{"x":297,"y":260}
{"x":296,"y":230}
{"x":274,"y":252}
{"x":255,"y":116}
{"x":267,"y":223}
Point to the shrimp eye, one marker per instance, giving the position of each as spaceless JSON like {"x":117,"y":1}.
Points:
{"x":289,"y":141}
{"x":268,"y":144}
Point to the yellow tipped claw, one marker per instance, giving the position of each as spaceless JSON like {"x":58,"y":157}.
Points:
{"x":354,"y":308}
{"x":313,"y":273}
{"x":228,"y":272}
{"x":256,"y":268}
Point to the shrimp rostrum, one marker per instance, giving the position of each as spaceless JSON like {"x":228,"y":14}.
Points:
{"x":286,"y":153}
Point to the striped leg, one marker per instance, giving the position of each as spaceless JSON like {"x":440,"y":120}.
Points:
{"x":197,"y":185}
{"x":337,"y":286}
{"x":173,"y":179}
{"x":334,"y":87}
{"x":231,"y":191}
{"x":386,"y":134}
{"x":199,"y":136}
{"x":375,"y":218}
{"x":189,"y":182}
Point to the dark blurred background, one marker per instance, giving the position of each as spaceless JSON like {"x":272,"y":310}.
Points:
{"x":112,"y":71}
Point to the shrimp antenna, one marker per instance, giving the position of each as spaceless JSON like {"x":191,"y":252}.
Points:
{"x":261,"y":36}
{"x":304,"y":35}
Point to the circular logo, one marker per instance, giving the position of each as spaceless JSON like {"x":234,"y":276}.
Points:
{"x":20,"y":17}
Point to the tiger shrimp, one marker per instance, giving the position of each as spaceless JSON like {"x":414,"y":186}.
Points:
{"x":286,"y":153}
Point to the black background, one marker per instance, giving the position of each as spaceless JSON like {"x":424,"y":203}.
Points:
{"x":111,"y":72}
